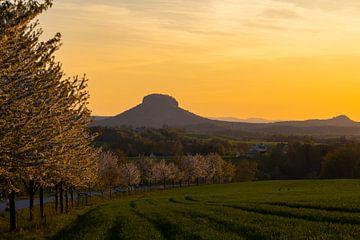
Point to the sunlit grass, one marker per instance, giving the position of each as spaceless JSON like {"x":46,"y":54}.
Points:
{"x":254,"y":210}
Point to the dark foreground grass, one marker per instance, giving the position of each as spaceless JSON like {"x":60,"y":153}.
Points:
{"x":260,"y":210}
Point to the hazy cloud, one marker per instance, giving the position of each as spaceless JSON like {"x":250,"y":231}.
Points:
{"x":329,"y":5}
{"x":264,"y":26}
{"x":205,"y":29}
{"x":280,"y":13}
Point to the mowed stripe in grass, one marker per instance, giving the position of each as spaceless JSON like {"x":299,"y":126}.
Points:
{"x":259,"y":223}
{"x":259,"y":226}
{"x":174,"y":225}
{"x":262,"y":210}
{"x":112,"y":221}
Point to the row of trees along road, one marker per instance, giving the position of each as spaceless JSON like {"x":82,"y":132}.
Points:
{"x":44,"y":138}
{"x":147,"y":171}
{"x":44,"y":141}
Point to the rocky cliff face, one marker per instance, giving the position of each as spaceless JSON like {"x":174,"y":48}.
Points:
{"x":160,"y":100}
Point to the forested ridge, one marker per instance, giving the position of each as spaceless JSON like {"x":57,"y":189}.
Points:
{"x":287,"y":157}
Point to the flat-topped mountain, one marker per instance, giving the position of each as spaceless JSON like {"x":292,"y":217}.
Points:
{"x":157,"y":110}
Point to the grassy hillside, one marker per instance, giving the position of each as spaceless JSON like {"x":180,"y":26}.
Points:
{"x":259,"y":210}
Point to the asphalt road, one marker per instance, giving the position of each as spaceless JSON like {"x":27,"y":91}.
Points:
{"x":24,"y":203}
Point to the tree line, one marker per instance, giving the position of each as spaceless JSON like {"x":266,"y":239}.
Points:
{"x":294,"y":158}
{"x":165,"y":141}
{"x":307,"y":160}
{"x":148,"y":171}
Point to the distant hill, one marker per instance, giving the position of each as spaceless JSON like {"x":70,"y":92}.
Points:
{"x":99,"y":118}
{"x":158,"y":110}
{"x":246,"y":120}
{"x":339,"y":121}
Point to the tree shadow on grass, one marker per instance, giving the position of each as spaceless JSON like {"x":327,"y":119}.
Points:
{"x":83,"y":225}
{"x":297,"y":215}
{"x":236,"y":228}
{"x":168,"y":229}
{"x":115,"y":231}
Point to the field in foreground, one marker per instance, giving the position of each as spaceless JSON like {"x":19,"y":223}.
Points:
{"x":259,"y":210}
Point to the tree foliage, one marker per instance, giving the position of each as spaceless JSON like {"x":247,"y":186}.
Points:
{"x":44,"y":139}
{"x":343,"y":162}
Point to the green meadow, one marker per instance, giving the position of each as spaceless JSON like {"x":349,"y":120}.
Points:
{"x":319,"y":209}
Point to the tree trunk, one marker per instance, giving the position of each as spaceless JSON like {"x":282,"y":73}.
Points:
{"x":188,"y":182}
{"x":67,"y":200}
{"x":72,"y":197}
{"x":31,"y":198}
{"x":56,"y":198}
{"x":78,"y":199}
{"x":42,"y":215}
{"x":90,"y":195}
{"x":12,"y":210}
{"x":197,"y":181}
{"x":61,"y":192}
{"x":180,"y":183}
{"x":213,"y":179}
{"x":164,"y":183}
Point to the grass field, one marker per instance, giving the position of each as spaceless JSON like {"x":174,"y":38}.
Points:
{"x":258,"y":210}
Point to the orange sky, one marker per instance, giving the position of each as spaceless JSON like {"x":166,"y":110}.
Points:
{"x":275,"y":59}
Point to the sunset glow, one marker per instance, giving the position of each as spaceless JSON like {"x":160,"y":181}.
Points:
{"x":275,"y":59}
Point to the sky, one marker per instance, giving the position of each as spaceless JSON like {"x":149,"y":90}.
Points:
{"x":273,"y":59}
